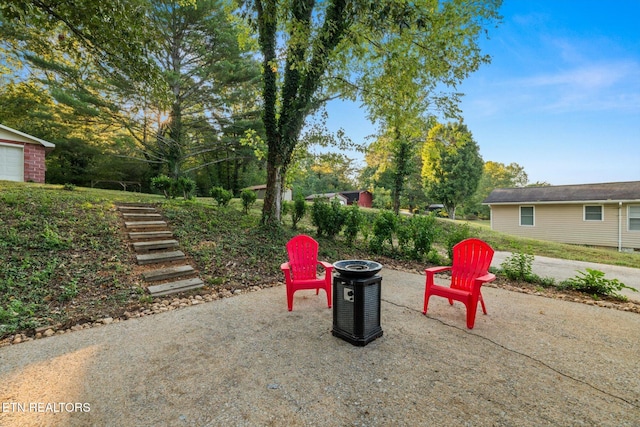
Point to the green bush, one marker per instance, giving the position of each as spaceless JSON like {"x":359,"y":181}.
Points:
{"x":366,"y":225}
{"x":593,"y":282}
{"x":353,"y":223}
{"x":171,"y":188}
{"x":186,"y":186}
{"x":162,"y":183}
{"x":384,"y":228}
{"x":298,"y":211}
{"x":328,"y":217}
{"x":416,"y":235}
{"x":248,"y":197}
{"x":221,"y":196}
{"x":424,"y":230}
{"x":518,"y":266}
{"x":69,"y":187}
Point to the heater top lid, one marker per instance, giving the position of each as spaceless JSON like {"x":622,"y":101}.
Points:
{"x":357,"y":267}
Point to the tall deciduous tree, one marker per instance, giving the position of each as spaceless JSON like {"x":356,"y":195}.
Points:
{"x":496,"y":175}
{"x":315,"y":50}
{"x":452,"y":165}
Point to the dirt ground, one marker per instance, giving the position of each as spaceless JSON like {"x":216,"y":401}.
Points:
{"x":247,"y":361}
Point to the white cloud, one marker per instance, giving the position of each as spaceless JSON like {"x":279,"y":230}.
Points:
{"x":590,"y":77}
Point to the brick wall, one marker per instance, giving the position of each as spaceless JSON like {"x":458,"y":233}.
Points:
{"x":34,"y":168}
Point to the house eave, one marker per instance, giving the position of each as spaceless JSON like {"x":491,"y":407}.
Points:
{"x":30,"y":139}
{"x":564,"y":202}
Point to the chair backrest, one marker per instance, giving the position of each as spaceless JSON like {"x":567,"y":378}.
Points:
{"x":303,"y":257}
{"x":471,"y":259}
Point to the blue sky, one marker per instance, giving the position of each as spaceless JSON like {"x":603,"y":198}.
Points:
{"x":561,"y":97}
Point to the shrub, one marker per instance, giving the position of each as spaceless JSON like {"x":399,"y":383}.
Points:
{"x":403,"y":233}
{"x":69,"y":187}
{"x":352,"y":223}
{"x":594,"y":282}
{"x":248,"y":197}
{"x":186,"y":186}
{"x":384,"y":227}
{"x":416,"y":235}
{"x":424,"y":230}
{"x":366,"y":225}
{"x":298,"y":211}
{"x":163,"y":184}
{"x":328,"y":217}
{"x":518,"y":266}
{"x":319,"y":213}
{"x":285,"y":208}
{"x":221,"y":196}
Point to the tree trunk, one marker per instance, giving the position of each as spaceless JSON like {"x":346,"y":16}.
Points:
{"x":273,"y":196}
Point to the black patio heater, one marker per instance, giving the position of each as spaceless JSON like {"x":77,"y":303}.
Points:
{"x":356,"y":301}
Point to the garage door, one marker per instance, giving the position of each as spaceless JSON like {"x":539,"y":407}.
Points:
{"x":11,"y":163}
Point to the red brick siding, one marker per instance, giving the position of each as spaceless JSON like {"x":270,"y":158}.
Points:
{"x":34,"y":167}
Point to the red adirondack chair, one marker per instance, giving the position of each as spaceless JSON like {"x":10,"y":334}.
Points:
{"x":301,"y":271}
{"x":470,"y":270}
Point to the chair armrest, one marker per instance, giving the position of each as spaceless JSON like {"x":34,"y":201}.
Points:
{"x":431,"y":272}
{"x":434,"y":270}
{"x":286,"y":269}
{"x":489,"y":277}
{"x":328,"y":270}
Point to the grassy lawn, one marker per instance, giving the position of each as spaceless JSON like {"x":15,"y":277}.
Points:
{"x":66,"y":259}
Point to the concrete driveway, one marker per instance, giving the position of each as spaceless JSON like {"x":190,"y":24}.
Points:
{"x":562,"y":269}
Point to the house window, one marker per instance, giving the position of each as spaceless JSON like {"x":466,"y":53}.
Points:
{"x":526,"y":215}
{"x":593,"y":213}
{"x":634,"y":218}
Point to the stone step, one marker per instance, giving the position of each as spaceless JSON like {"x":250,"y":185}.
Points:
{"x":139,"y":209}
{"x":155,"y":245}
{"x":160,"y":257}
{"x":175,"y":287}
{"x":168,"y":273}
{"x":145,"y":224}
{"x":141,"y":216}
{"x":137,"y":235}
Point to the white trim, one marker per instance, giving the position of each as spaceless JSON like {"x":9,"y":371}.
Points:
{"x":31,"y":138}
{"x":584,"y":212}
{"x":19,"y":144}
{"x":564,"y":202}
{"x":629,"y":218}
{"x":520,"y":216}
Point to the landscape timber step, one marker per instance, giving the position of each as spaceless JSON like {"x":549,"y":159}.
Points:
{"x":175,"y":287}
{"x":145,"y":224}
{"x":168,"y":273}
{"x":136,"y":235}
{"x":141,"y":216}
{"x":160,"y":257}
{"x":140,"y":209}
{"x":155,"y":245}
